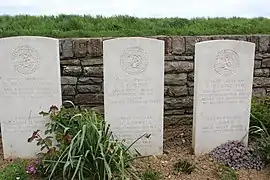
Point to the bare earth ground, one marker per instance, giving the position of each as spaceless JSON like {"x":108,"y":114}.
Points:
{"x":177,"y":145}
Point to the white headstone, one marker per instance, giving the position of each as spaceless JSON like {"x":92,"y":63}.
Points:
{"x":222,"y":92}
{"x":134,"y":91}
{"x":29,"y":84}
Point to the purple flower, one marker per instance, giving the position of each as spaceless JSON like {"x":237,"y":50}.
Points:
{"x":31,"y":169}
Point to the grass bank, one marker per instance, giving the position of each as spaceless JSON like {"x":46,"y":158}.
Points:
{"x":88,"y":26}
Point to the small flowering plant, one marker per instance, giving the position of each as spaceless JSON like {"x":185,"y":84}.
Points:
{"x":34,"y":167}
{"x":48,"y":151}
{"x":84,"y":147}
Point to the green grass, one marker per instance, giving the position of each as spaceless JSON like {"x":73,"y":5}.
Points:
{"x":227,"y":173}
{"x":150,"y":174}
{"x":15,"y":170}
{"x":89,"y":26}
{"x":183,"y":165}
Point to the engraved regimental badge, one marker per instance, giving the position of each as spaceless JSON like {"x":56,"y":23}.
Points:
{"x":25,"y":59}
{"x":227,"y":62}
{"x":134,"y":60}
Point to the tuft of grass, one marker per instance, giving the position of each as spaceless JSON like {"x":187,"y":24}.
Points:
{"x":184,"y":166}
{"x":150,"y":174}
{"x":97,"y":26}
{"x":226,"y":173}
{"x":260,"y":113}
{"x":262,"y":143}
{"x":15,"y":170}
{"x":260,"y":126}
{"x":85,"y":147}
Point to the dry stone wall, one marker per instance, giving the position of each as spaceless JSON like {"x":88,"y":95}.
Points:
{"x":82,"y":72}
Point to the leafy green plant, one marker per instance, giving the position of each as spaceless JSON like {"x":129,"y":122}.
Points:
{"x":184,"y":166}
{"x":260,"y":113}
{"x":260,"y":126}
{"x":150,"y":174}
{"x":226,"y":173}
{"x":262,"y":145}
{"x":85,"y":147}
{"x":15,"y":170}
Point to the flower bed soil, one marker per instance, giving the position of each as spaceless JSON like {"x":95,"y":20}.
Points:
{"x":177,"y":145}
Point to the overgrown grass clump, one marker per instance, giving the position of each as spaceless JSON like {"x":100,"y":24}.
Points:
{"x":82,"y":147}
{"x":150,"y":174}
{"x":260,"y":126}
{"x":226,"y":173}
{"x":89,"y":26}
{"x":185,"y":166}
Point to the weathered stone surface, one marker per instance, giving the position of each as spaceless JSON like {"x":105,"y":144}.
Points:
{"x":67,"y":48}
{"x":89,"y":88}
{"x":168,"y":43}
{"x":174,"y":112}
{"x":72,"y":70}
{"x":91,"y":61}
{"x":179,"y":78}
{"x":176,"y":91}
{"x":190,"y":76}
{"x":265,"y":55}
{"x":264,"y":42}
{"x":95,"y":47}
{"x":229,"y":37}
{"x":89,"y":98}
{"x":60,"y":47}
{"x":254,"y":39}
{"x":67,"y":98}
{"x":169,"y":58}
{"x":181,"y":102}
{"x":191,"y":91}
{"x":175,"y":79}
{"x":190,"y":83}
{"x":215,"y":87}
{"x":98,"y":109}
{"x":90,"y":80}
{"x":266,"y":62}
{"x":178,"y":45}
{"x":80,"y":48}
{"x":262,"y":72}
{"x":258,"y":56}
{"x":189,"y":111}
{"x":258,"y":92}
{"x":261,"y":82}
{"x":176,"y":120}
{"x":72,"y":62}
{"x":68,"y":90}
{"x":178,"y":67}
{"x":129,"y":111}
{"x":68,"y":80}
{"x":257,"y":64}
{"x":93,"y":71}
{"x":190,"y":44}
{"x":30,"y":83}
{"x":192,"y":40}
{"x":184,"y":58}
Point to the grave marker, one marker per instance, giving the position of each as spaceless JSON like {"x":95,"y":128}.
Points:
{"x":222,"y":92}
{"x":29,"y":83}
{"x":134,"y":91}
